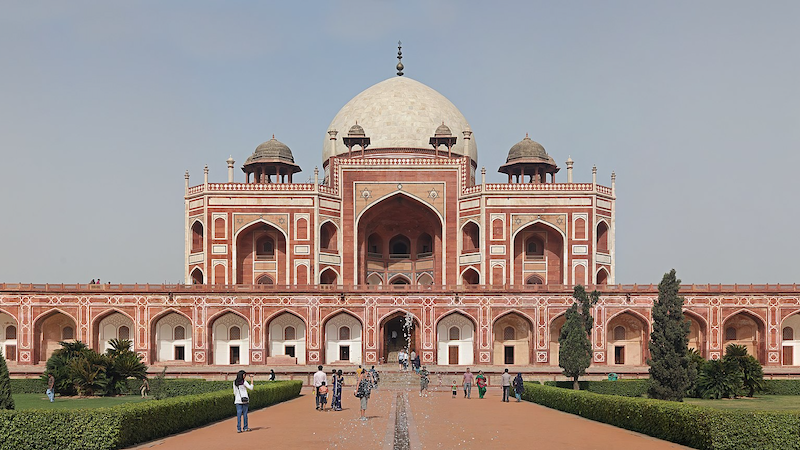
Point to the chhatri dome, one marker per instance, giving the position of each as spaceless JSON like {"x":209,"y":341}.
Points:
{"x":399,"y":113}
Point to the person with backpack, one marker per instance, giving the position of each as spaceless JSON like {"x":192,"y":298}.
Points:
{"x":241,"y":399}
{"x":363,"y":388}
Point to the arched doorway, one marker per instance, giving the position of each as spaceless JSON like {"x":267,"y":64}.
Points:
{"x":260,"y":250}
{"x":287,"y":337}
{"x":197,"y":276}
{"x":471,"y":276}
{"x":626,"y":336}
{"x":172,"y":338}
{"x":455,"y":335}
{"x":400,"y":330}
{"x":8,"y":336}
{"x":555,"y":333}
{"x":744,"y":328}
{"x":49,"y":331}
{"x":539,"y":250}
{"x":343,"y":339}
{"x":328,"y":276}
{"x":399,"y":235}
{"x":230,"y":337}
{"x":113,"y":326}
{"x":513,"y":338}
{"x":697,"y":333}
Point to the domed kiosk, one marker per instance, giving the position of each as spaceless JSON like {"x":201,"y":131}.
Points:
{"x":400,"y":115}
{"x":270,"y":158}
{"x":529,"y":157}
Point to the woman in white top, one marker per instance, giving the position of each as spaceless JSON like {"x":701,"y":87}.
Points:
{"x":241,"y":399}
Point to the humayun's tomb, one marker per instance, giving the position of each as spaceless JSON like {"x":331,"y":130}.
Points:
{"x":400,"y":223}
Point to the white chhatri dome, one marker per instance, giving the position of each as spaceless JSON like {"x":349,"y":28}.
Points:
{"x":399,"y":113}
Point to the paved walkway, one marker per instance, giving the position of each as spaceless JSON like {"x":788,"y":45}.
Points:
{"x":434,"y":422}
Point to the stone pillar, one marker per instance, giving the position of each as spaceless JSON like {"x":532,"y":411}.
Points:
{"x":230,"y":162}
{"x":205,"y":177}
{"x":186,"y":183}
{"x":570,"y":162}
{"x":594,"y":177}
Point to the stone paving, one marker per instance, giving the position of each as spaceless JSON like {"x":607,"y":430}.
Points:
{"x":434,"y":422}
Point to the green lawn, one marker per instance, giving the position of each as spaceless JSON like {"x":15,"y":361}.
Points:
{"x":764,"y":403}
{"x":40,"y":401}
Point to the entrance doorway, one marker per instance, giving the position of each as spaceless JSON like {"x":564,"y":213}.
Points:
{"x":180,"y":354}
{"x":396,"y":337}
{"x":619,"y":355}
{"x":289,"y":350}
{"x":234,"y":356}
{"x":344,"y":353}
{"x":452,"y":355}
{"x":788,"y":356}
{"x":11,"y":352}
{"x":509,"y":354}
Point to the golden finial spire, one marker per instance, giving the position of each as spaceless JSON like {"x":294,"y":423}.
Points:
{"x":399,"y":59}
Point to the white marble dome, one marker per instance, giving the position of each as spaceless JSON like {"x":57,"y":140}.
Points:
{"x":399,"y":113}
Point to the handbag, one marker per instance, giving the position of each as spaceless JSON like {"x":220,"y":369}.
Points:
{"x":245,"y":398}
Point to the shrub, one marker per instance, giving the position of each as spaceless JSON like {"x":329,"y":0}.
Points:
{"x":28,"y":386}
{"x":624,"y":388}
{"x":128,"y":424}
{"x":6,"y":400}
{"x":720,"y":378}
{"x":781,"y":387}
{"x":694,"y":426}
{"x":752,"y":373}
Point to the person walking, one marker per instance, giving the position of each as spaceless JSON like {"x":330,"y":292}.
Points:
{"x":423,"y":381}
{"x":468,"y":378}
{"x":338,"y":383}
{"x":480,"y":380}
{"x":519,"y":386}
{"x":271,"y":375}
{"x":375,"y":377}
{"x":145,"y":388}
{"x":506,"y":382}
{"x":241,"y":399}
{"x":319,"y":378}
{"x":363,"y":388}
{"x":51,"y":387}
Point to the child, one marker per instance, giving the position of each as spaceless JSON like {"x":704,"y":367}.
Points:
{"x":323,"y":396}
{"x":455,"y":389}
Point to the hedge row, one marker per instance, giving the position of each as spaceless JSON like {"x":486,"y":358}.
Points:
{"x":624,"y":388}
{"x":28,"y":386}
{"x":129,"y":424}
{"x":694,"y":426}
{"x":781,"y":387}
{"x":174,"y":387}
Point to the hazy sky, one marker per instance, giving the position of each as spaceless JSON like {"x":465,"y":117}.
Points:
{"x":695,"y":105}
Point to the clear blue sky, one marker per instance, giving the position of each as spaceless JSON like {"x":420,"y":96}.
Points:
{"x":695,"y":105}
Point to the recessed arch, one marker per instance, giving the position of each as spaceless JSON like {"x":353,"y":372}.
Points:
{"x":48,"y":330}
{"x":162,"y":346}
{"x":265,"y":279}
{"x":602,"y":276}
{"x":197,"y":230}
{"x":601,"y":236}
{"x":425,"y":280}
{"x":790,"y":339}
{"x":400,"y":246}
{"x":460,"y":351}
{"x":225,"y":347}
{"x":470,"y":276}
{"x":534,"y":279}
{"x":329,"y":276}
{"x":629,"y":348}
{"x":244,"y":252}
{"x":554,"y":331}
{"x":401,"y":194}
{"x":698,"y":336}
{"x":399,"y":279}
{"x":9,"y":333}
{"x":374,"y":280}
{"x":470,"y":236}
{"x":337,"y":349}
{"x":329,"y":236}
{"x":752,"y":336}
{"x":553,"y":260}
{"x":96,"y":325}
{"x":197,"y":276}
{"x":512,"y":336}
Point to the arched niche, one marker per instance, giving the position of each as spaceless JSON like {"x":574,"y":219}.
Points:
{"x":9,"y":333}
{"x":172,"y":338}
{"x":555,"y":332}
{"x":790,"y":340}
{"x":287,"y":337}
{"x":230,"y":337}
{"x":260,"y":250}
{"x":512,"y":336}
{"x":197,"y":237}
{"x":460,"y":351}
{"x":114,"y":325}
{"x":627,"y":336}
{"x":51,"y":329}
{"x":747,"y":329}
{"x":343,"y":350}
{"x":539,"y":250}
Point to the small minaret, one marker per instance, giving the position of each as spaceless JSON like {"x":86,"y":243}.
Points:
{"x":316,"y":176}
{"x":570,"y":163}
{"x":230,"y":162}
{"x":594,"y":176}
{"x":186,"y":183}
{"x":613,"y":184}
{"x":205,"y":177}
{"x":467,"y":139}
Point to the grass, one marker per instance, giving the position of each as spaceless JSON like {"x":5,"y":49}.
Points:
{"x":40,"y":401}
{"x":765,"y":403}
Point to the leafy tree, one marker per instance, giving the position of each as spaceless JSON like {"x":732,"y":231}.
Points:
{"x":88,"y":373}
{"x":720,"y":378}
{"x":574,"y":346}
{"x":669,"y":364}
{"x":696,"y":362}
{"x":752,"y":372}
{"x":6,"y":400}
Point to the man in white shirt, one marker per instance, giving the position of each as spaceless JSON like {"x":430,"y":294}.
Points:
{"x":506,"y":385}
{"x":319,"y":378}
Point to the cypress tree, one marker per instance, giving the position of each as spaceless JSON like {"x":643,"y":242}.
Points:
{"x":574,"y":346}
{"x":669,"y":362}
{"x":6,"y":400}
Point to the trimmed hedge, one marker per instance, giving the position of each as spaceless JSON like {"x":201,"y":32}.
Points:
{"x":624,"y":388}
{"x":694,"y":426}
{"x":781,"y":387}
{"x":128,"y":424}
{"x":175,"y":387}
{"x":28,"y":386}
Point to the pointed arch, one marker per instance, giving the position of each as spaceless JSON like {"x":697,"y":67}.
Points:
{"x":227,"y":349}
{"x":632,"y":349}
{"x":554,"y":254}
{"x":167,"y":353}
{"x":601,"y":277}
{"x":329,"y":236}
{"x":459,"y":351}
{"x":399,"y":278}
{"x":470,"y":236}
{"x":95,"y":323}
{"x":45,"y":342}
{"x":275,"y":335}
{"x":329,"y":275}
{"x":336,"y":348}
{"x":403,"y":194}
{"x":198,"y":233}
{"x":470,"y":276}
{"x":281,"y":259}
{"x":197,"y":276}
{"x":755,"y":342}
{"x":512,"y":336}
{"x":697,"y":342}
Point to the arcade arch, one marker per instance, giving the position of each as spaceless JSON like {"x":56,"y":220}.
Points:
{"x":602,"y":237}
{"x":744,"y":328}
{"x":513,"y":339}
{"x":399,"y":330}
{"x":197,"y":237}
{"x":627,"y":335}
{"x":112,"y":326}
{"x":260,"y":250}
{"x":470,"y":237}
{"x":399,"y":234}
{"x":8,"y":336}
{"x":343,"y":339}
{"x":455,"y":336}
{"x":555,"y":332}
{"x":470,"y":276}
{"x":328,"y":276}
{"x":539,"y":250}
{"x":172,"y":338}
{"x":49,"y":330}
{"x":328,"y":241}
{"x":697,"y":333}
{"x":197,"y":276}
{"x":230,"y":339}
{"x":287,"y":337}
{"x":790,"y":340}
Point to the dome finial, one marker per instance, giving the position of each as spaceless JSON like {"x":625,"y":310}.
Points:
{"x":273,"y":135}
{"x":399,"y":59}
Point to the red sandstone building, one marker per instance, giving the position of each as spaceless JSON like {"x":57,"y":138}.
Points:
{"x":399,"y":227}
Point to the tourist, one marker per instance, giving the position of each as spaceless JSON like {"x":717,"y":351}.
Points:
{"x":241,"y":399}
{"x":455,"y":388}
{"x":468,"y":377}
{"x":51,"y":386}
{"x":416,"y":363}
{"x":506,"y":384}
{"x":405,"y":360}
{"x":480,"y":380}
{"x":323,"y":396}
{"x":519,"y":386}
{"x":91,"y":282}
{"x":145,"y":388}
{"x":363,"y":388}
{"x":359,"y":370}
{"x":400,"y":359}
{"x":271,"y":375}
{"x":423,"y":381}
{"x":412,"y":357}
{"x":338,"y":383}
{"x":375,"y":377}
{"x":319,"y":379}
